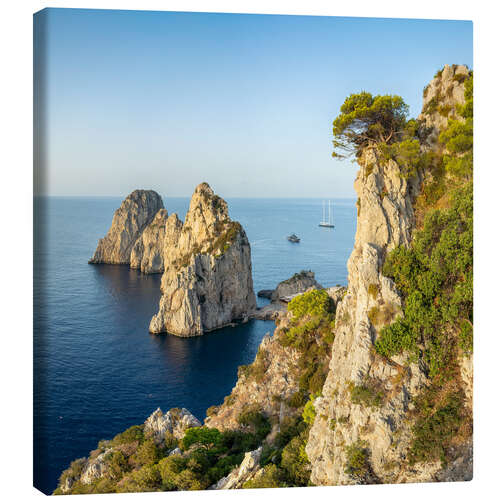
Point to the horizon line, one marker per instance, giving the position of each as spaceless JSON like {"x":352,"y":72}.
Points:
{"x":190,"y":196}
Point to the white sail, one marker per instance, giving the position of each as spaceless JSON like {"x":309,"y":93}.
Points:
{"x":324,"y":222}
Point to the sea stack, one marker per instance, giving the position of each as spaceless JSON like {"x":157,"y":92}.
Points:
{"x":147,"y":253}
{"x":137,"y":210}
{"x":207,"y":282}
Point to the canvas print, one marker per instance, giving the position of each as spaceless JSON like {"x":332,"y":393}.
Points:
{"x":253,"y":251}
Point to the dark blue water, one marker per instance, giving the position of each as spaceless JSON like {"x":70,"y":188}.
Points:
{"x":98,"y":370}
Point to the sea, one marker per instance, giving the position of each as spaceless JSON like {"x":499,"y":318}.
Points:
{"x":97,"y":369}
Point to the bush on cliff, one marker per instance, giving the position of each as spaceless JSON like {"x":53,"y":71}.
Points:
{"x":435,"y":276}
{"x":311,"y":332}
{"x":439,"y":422}
{"x":312,"y":303}
{"x":271,"y":477}
{"x":458,"y":138}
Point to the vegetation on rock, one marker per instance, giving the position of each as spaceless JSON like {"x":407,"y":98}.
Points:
{"x":435,"y":276}
{"x":357,"y":464}
{"x":136,"y":463}
{"x":365,"y":120}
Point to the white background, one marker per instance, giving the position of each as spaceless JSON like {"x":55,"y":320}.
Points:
{"x":16,"y":237}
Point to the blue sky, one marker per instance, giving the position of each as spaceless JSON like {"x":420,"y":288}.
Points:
{"x":164,"y":100}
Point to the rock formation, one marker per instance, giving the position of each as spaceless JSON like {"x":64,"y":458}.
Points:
{"x":207,"y":282}
{"x":383,"y":223}
{"x":248,"y":469}
{"x":441,"y":97}
{"x":147,"y":253}
{"x":174,"y":422}
{"x":129,"y":221}
{"x":299,"y":282}
{"x":157,"y":426}
{"x":385,"y":220}
{"x":265,"y":391}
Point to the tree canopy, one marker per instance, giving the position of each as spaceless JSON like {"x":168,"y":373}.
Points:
{"x":365,"y":119}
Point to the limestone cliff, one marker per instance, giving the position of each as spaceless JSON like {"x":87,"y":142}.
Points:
{"x":440,"y":100}
{"x":266,"y":385}
{"x":383,"y":223}
{"x":386,"y":219}
{"x":147,"y":253}
{"x":176,"y":421}
{"x":129,"y":221}
{"x":207,"y":282}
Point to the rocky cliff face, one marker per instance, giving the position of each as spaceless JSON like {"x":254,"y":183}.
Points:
{"x":176,"y":421}
{"x":267,"y":389}
{"x":383,"y":430}
{"x":147,"y":253}
{"x":129,"y":221}
{"x":441,"y":97}
{"x":383,"y":223}
{"x":207,"y":281}
{"x":271,"y":382}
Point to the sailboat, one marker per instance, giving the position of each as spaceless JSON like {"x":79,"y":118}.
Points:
{"x":324,"y":222}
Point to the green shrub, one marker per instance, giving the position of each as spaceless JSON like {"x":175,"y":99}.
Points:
{"x":170,"y":468}
{"x":117,"y":465}
{"x":202,"y":436}
{"x":357,"y":465}
{"x":272,"y":477}
{"x":134,"y":433}
{"x":309,"y":413}
{"x":407,"y":154}
{"x":368,"y":170}
{"x":367,"y":394}
{"x":435,"y":428}
{"x":289,"y":428}
{"x":297,"y":399}
{"x":432,"y":105}
{"x":458,"y":138}
{"x":435,"y":277}
{"x":147,"y":453}
{"x":147,"y":478}
{"x":465,"y":337}
{"x":259,"y":366}
{"x":312,"y":303}
{"x":231,"y":398}
{"x":445,"y":109}
{"x":256,"y":421}
{"x":373,"y":290}
{"x":396,"y":338}
{"x":294,"y":461}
